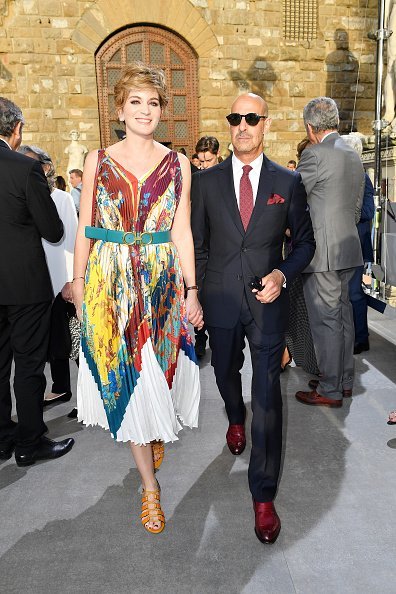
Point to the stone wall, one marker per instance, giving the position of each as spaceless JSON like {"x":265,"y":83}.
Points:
{"x":47,"y":63}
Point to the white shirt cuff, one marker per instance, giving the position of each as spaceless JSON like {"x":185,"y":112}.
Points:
{"x":284,"y":278}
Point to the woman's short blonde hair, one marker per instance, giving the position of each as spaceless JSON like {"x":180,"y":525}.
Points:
{"x":140,"y":76}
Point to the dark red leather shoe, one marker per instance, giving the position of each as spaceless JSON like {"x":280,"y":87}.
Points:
{"x":316,"y":399}
{"x":313,"y":384}
{"x":267,"y":522}
{"x":236,"y":439}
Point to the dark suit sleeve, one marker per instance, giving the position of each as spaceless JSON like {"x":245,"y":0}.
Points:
{"x":200,"y":228}
{"x":368,"y":209}
{"x":302,"y":235}
{"x":41,"y":206}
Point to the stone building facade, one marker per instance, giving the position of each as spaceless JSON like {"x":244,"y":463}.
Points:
{"x":56,"y":55}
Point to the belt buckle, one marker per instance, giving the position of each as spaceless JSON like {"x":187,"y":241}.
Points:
{"x":125,"y":237}
{"x":140,"y":238}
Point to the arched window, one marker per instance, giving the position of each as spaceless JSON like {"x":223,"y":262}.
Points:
{"x":158,"y":47}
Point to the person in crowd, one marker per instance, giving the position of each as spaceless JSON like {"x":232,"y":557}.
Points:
{"x":333,"y":177}
{"x":392,"y":418}
{"x":60,"y":264}
{"x":240,"y":211}
{"x":75,"y":180}
{"x":207,"y":149}
{"x":138,"y":374}
{"x":302,"y":145}
{"x":60,"y":183}
{"x":195,"y":162}
{"x":27,"y":215}
{"x":291,"y":165}
{"x":299,"y":343}
{"x":356,"y":294}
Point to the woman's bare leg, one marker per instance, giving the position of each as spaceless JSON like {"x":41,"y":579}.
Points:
{"x":144,"y":461}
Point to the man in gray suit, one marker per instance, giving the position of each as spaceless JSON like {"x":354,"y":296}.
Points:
{"x":333,"y":177}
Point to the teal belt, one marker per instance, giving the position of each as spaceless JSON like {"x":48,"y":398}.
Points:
{"x":128,"y":237}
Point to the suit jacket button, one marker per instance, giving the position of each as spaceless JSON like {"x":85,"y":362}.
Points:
{"x":244,"y":249}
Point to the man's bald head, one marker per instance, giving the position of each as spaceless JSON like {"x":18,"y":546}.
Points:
{"x":250,"y":99}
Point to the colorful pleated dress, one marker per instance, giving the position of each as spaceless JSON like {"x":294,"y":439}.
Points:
{"x":138,"y":374}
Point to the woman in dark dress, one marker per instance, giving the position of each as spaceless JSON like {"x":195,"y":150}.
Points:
{"x":299,"y":343}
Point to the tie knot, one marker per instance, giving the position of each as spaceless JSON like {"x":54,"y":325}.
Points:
{"x":246,"y":169}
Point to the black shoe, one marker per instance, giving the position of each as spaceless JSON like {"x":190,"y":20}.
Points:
{"x":46,"y":449}
{"x":360,"y":347}
{"x":6,"y":451}
{"x":73,"y":414}
{"x":61,"y":398}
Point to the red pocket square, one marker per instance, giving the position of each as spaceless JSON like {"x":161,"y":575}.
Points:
{"x":275,"y":199}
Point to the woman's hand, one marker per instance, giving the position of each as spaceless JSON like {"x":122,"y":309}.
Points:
{"x":78,"y":296}
{"x":194,"y":309}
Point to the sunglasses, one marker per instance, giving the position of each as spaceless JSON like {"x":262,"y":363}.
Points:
{"x":252,"y":119}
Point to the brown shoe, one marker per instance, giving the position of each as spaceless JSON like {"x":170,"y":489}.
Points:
{"x":267,"y":524}
{"x":316,"y":399}
{"x":313,"y":384}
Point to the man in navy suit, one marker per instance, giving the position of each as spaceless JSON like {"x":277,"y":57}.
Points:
{"x":240,"y":211}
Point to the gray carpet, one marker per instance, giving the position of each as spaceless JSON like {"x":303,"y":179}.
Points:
{"x":72,"y":525}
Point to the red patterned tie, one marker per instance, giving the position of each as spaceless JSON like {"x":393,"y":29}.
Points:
{"x":246,"y":196}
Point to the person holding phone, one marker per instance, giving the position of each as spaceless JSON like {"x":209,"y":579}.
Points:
{"x":241,"y":209}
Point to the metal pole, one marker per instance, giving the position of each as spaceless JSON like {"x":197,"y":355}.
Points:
{"x":380,"y":35}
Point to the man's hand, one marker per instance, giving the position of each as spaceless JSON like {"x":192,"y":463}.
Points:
{"x":272,"y":284}
{"x":67,"y":294}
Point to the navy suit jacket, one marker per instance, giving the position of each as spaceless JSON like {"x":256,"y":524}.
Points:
{"x":366,"y":217}
{"x":227,"y":257}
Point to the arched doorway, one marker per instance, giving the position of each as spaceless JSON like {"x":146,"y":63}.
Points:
{"x":158,"y":47}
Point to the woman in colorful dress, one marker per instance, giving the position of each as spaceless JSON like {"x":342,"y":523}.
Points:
{"x":138,"y":373}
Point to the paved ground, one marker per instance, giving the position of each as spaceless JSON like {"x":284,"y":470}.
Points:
{"x":72,"y":525}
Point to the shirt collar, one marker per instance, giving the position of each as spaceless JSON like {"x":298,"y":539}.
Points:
{"x":255,"y":165}
{"x":328,"y":134}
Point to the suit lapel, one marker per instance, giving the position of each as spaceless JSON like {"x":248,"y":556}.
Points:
{"x":227,"y":191}
{"x":265,"y":189}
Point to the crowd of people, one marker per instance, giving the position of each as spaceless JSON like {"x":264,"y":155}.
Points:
{"x":241,"y":249}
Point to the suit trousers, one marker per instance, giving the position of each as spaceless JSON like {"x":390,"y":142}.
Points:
{"x":331,"y":319}
{"x":60,"y":373}
{"x":24,"y":332}
{"x":359,"y":304}
{"x":266,"y":350}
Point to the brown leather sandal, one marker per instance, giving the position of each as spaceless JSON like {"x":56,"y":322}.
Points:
{"x":151,"y":510}
{"x":158,"y":449}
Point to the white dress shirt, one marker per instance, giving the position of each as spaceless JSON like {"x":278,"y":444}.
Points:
{"x":254,"y":174}
{"x":60,"y":255}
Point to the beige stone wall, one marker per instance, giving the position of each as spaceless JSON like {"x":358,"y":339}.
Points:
{"x":47,"y":63}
